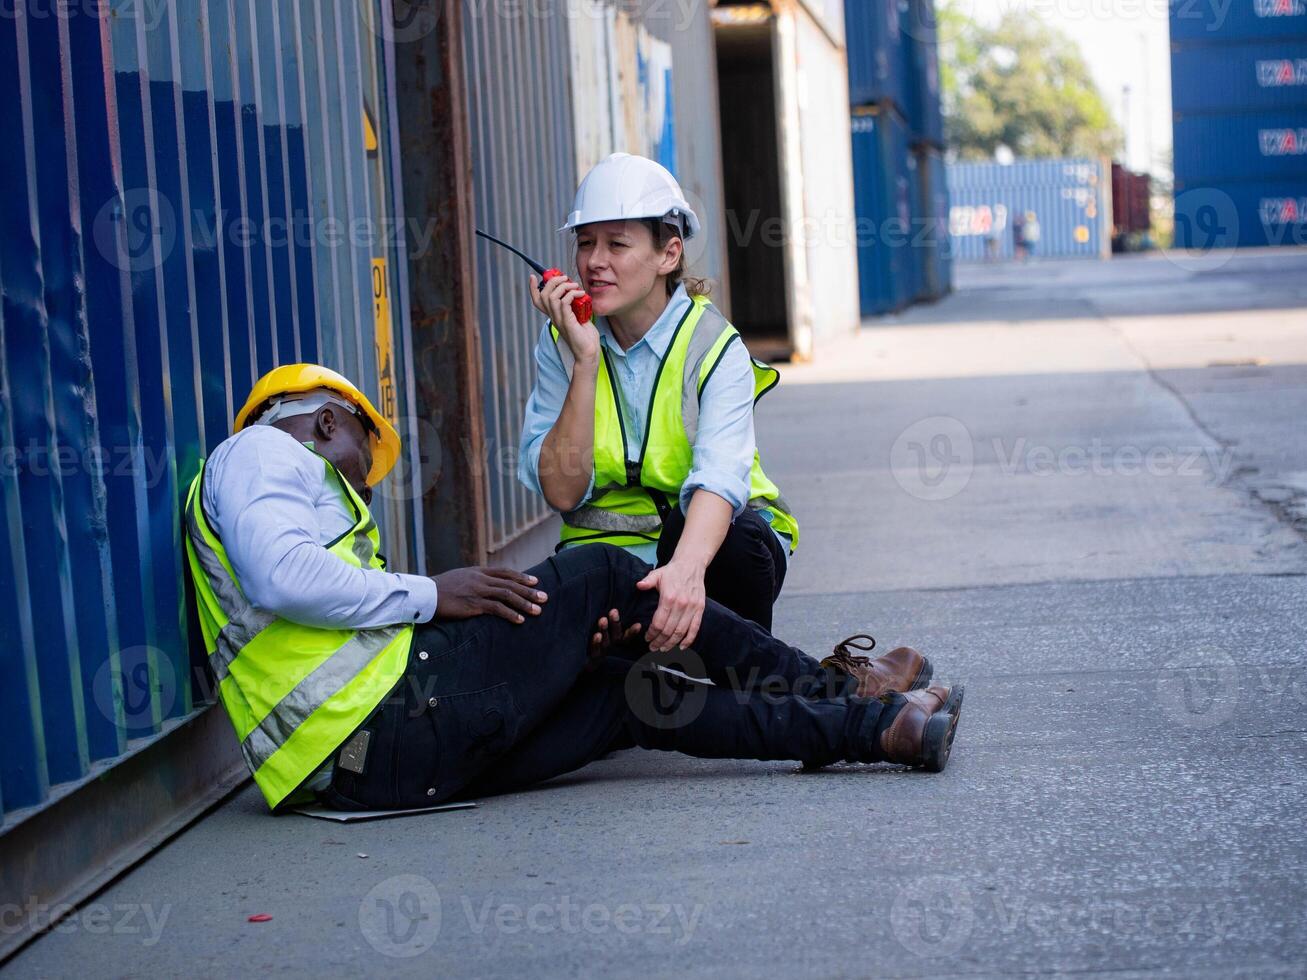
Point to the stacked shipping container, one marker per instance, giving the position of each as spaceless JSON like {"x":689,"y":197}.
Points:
{"x":900,"y":196}
{"x":1068,"y":199}
{"x":1239,"y":93}
{"x":1131,"y":217}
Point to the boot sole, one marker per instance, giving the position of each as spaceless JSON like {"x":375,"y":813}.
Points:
{"x":937,"y":741}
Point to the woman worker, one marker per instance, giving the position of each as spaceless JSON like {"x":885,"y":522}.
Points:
{"x":640,"y":427}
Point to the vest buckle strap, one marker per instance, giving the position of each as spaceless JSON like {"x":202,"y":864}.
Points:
{"x":592,"y":518}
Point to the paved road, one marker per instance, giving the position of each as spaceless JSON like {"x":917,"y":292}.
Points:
{"x":1083,"y":489}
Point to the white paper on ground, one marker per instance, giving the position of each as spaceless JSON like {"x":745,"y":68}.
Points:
{"x":353,"y":816}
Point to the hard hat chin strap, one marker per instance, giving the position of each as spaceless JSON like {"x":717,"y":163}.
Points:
{"x":307,"y":404}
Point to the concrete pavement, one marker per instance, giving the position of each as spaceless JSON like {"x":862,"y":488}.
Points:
{"x":1081,"y":488}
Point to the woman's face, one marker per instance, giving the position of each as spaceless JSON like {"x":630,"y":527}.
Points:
{"x":619,"y":264}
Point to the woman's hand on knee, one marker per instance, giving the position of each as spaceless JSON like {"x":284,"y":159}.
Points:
{"x":681,"y":600}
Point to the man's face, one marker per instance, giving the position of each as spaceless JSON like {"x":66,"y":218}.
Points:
{"x":350,"y":448}
{"x":338,"y":436}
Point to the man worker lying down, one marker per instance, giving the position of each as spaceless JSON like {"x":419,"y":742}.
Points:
{"x":375,"y":690}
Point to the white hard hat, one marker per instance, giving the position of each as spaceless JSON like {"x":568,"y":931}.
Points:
{"x":624,"y":186}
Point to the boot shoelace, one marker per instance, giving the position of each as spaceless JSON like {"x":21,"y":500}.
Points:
{"x":843,"y":649}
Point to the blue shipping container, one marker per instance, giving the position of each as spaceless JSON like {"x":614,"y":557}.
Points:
{"x":875,"y":42}
{"x":1249,"y":75}
{"x":924,"y":112}
{"x":1068,"y":198}
{"x":882,"y":199}
{"x":919,"y":241}
{"x":1233,"y":20}
{"x":228,"y":205}
{"x":1249,"y":145}
{"x":933,"y":212}
{"x":1237,"y":20}
{"x":1240,"y":214}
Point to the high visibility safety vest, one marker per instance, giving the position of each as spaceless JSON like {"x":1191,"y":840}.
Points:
{"x":294,"y":693}
{"x":630,"y":495}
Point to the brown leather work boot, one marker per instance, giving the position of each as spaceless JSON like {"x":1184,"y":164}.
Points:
{"x":902,"y":669}
{"x":921,"y":734}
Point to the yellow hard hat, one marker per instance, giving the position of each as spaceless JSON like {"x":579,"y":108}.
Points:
{"x":292,"y":378}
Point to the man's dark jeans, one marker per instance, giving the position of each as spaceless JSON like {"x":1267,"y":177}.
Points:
{"x":488,"y":706}
{"x":748,"y":570}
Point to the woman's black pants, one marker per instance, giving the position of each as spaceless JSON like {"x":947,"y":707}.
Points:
{"x":748,"y":570}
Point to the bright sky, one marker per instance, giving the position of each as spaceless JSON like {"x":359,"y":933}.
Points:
{"x":1125,"y":42}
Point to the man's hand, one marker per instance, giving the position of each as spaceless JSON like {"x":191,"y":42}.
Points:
{"x":466,"y":592}
{"x":609,"y":633}
{"x":681,"y":601}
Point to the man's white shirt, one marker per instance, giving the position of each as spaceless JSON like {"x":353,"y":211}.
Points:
{"x":276,"y":510}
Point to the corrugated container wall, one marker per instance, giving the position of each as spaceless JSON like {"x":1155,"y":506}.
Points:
{"x":924,"y":111}
{"x":226,"y":205}
{"x":1070,"y":200}
{"x":883,"y":204}
{"x":898,"y":133}
{"x":698,"y":132}
{"x":1239,"y":74}
{"x":931,"y":230}
{"x":1130,"y":205}
{"x":877,"y":54}
{"x":1221,"y":146}
{"x":524,"y":176}
{"x":1267,"y":75}
{"x":915,"y":251}
{"x":1240,"y":213}
{"x":822,"y":223}
{"x":1237,"y":20}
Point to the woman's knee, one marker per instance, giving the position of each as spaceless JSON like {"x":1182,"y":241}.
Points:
{"x":746,"y":542}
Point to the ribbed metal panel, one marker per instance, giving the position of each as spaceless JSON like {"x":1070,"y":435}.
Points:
{"x":1230,"y":20}
{"x":524,"y":173}
{"x":921,"y":40}
{"x":931,"y":219}
{"x":1227,"y":77}
{"x":918,"y":244}
{"x":882,"y":198}
{"x":1069,"y":199}
{"x":1131,"y":204}
{"x":1238,"y":214}
{"x":179,"y":182}
{"x":877,"y":51}
{"x":1248,"y":145}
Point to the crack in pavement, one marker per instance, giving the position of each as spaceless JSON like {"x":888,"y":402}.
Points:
{"x":1283,"y":511}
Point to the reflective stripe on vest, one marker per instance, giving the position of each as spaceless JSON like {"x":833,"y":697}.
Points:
{"x":293,"y":693}
{"x":629,"y":494}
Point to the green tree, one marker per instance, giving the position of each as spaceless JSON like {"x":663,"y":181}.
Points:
{"x":1020,"y":84}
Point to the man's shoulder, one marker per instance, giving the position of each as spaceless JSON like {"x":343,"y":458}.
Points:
{"x":260,"y":451}
{"x":255,"y":440}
